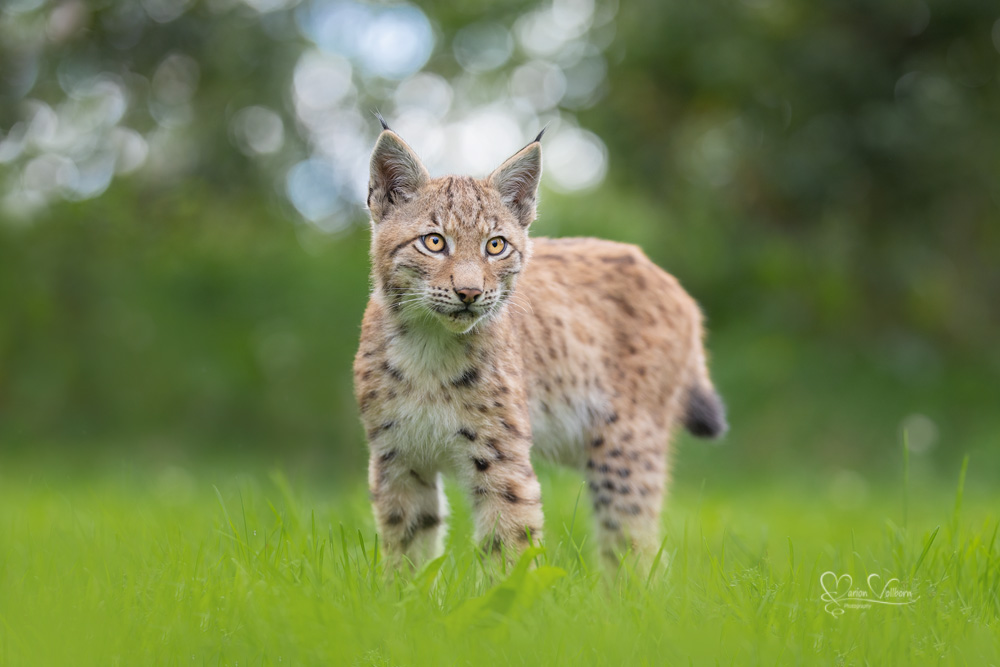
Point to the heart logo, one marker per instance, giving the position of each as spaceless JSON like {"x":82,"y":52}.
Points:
{"x":834,"y":589}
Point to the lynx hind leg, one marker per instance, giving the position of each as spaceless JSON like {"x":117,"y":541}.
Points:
{"x":410,"y":510}
{"x":627,"y":474}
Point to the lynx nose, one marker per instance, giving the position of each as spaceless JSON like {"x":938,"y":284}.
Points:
{"x":468,"y":294}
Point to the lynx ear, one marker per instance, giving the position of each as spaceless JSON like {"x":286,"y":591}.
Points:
{"x":517,"y":181}
{"x":396,"y":174}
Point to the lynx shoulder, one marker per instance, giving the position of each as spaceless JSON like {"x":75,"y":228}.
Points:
{"x":481,"y":344}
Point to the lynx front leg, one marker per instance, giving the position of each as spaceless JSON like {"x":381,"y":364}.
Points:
{"x":506,"y":496}
{"x":410,"y":509}
{"x":626,"y":472}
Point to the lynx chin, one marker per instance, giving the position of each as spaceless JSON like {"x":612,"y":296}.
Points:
{"x":481,"y":344}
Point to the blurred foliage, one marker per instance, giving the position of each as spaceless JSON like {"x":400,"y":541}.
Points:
{"x":821,"y":176}
{"x":181,"y":317}
{"x":842,"y":160}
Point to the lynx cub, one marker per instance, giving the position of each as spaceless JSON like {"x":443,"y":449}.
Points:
{"x":480,"y":344}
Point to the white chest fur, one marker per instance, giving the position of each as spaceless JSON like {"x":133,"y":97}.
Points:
{"x":428,"y":413}
{"x":426,"y":422}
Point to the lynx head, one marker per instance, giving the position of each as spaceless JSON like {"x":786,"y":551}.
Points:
{"x":449,"y":249}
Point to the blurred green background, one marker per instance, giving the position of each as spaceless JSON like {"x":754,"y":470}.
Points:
{"x":183,"y":245}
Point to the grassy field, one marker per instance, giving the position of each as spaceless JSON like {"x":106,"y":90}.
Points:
{"x":139,"y":564}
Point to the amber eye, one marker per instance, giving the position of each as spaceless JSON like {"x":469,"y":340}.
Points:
{"x":434,"y":242}
{"x":496,"y":245}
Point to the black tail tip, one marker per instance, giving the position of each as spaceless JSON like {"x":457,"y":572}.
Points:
{"x":705,"y":415}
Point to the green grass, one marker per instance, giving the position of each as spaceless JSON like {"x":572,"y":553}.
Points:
{"x":150,"y":565}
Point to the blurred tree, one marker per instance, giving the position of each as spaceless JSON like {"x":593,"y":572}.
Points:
{"x":843,"y":155}
{"x":182,"y":243}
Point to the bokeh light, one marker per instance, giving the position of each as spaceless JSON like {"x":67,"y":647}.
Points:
{"x":577,"y":160}
{"x":490,"y":88}
{"x":258,"y":130}
{"x":387,"y":41}
{"x":465,"y":123}
{"x":483,"y":47}
{"x":920,"y":433}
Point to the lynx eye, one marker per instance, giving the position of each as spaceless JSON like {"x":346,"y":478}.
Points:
{"x":433,"y":242}
{"x":496,"y":245}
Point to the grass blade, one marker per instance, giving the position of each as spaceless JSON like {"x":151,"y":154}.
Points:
{"x":923,"y":554}
{"x":906,"y":477}
{"x":959,"y":494}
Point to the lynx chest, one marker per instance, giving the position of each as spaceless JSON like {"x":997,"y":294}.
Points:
{"x":437,"y":401}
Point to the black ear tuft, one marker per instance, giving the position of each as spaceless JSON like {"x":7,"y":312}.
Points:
{"x":539,"y":137}
{"x":385,"y":125}
{"x":517,"y":182}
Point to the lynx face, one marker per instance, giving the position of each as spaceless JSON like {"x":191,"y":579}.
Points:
{"x":455,"y":263}
{"x":449,"y":249}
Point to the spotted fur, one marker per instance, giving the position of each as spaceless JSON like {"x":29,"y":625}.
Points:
{"x":579,"y":349}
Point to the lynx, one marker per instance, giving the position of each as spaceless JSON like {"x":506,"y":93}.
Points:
{"x":481,"y":345}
